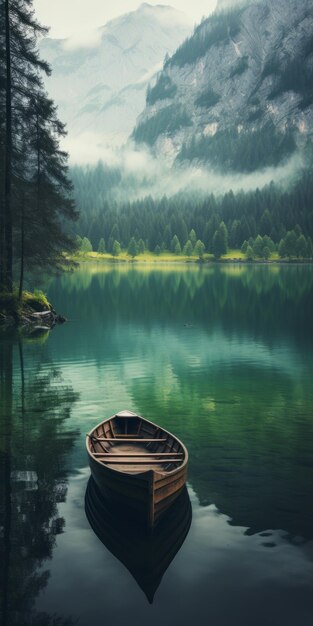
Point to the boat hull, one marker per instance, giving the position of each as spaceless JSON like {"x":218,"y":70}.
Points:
{"x":146,"y":494}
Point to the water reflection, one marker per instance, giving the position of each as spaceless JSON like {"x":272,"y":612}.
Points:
{"x":146,"y":557}
{"x":35,"y":441}
{"x":249,"y":437}
{"x":221,"y":356}
{"x":241,"y":296}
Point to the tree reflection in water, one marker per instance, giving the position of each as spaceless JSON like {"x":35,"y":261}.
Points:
{"x":238,"y":297}
{"x":222,"y":356}
{"x":35,"y":441}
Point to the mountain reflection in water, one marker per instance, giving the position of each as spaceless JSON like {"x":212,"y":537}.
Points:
{"x":222,"y":356}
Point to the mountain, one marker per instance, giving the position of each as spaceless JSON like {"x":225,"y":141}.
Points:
{"x":238,"y":93}
{"x":99,"y":79}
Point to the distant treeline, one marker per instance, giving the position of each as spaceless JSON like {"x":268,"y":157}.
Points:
{"x":269,"y":212}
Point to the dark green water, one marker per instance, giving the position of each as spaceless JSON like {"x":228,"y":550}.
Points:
{"x":223,"y":358}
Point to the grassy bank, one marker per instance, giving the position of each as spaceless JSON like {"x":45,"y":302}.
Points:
{"x":168,"y":257}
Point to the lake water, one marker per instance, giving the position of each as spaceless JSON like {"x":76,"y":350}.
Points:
{"x":222,"y":356}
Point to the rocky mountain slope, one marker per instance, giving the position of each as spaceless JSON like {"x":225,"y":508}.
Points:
{"x":239,"y":92}
{"x":99,"y":80}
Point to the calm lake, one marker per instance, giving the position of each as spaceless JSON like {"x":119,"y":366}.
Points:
{"x":222,"y":356}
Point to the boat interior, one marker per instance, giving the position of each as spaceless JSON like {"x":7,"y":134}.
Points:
{"x":128,"y":443}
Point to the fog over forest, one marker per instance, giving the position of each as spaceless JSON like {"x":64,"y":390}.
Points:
{"x":140,"y":173}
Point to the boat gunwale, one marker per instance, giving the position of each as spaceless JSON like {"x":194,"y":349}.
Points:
{"x":158,"y":472}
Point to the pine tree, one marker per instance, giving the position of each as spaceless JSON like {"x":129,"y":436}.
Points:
{"x":210,"y":229}
{"x":301,"y":248}
{"x":219,"y":245}
{"x":199,"y":249}
{"x":188,"y":248}
{"x":282,"y":249}
{"x":116,"y":251}
{"x":114,"y":234}
{"x":78,"y":243}
{"x":235,"y":234}
{"x":2,"y":142}
{"x":249,"y":253}
{"x":245,"y":231}
{"x":290,"y":243}
{"x":258,"y":246}
{"x":101,"y":246}
{"x":244,"y":247}
{"x":266,"y":253}
{"x":167,"y":236}
{"x":269,"y":243}
{"x":86,"y":245}
{"x":266,"y":223}
{"x":192,"y":237}
{"x":132,"y":249}
{"x":48,"y":189}
{"x":34,"y":187}
{"x":141,"y":246}
{"x":177,"y":249}
{"x":21,"y":63}
{"x":174,"y":243}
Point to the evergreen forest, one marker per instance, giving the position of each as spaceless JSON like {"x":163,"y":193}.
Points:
{"x":169,"y":223}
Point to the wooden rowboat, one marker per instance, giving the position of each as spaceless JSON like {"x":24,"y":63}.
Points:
{"x":147,"y":557}
{"x":137,"y":463}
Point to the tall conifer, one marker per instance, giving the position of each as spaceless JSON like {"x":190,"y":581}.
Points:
{"x":34,"y":188}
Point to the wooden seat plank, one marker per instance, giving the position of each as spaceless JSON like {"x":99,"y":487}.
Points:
{"x":146,"y":461}
{"x":145,"y":455}
{"x":124,"y":440}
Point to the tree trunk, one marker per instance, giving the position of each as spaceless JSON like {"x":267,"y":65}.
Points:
{"x":20,"y":292}
{"x":8,"y":237}
{"x":2,"y":257}
{"x":1,"y":253}
{"x":38,"y":163}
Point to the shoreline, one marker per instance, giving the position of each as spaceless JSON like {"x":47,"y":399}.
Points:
{"x":33,"y":314}
{"x":175,"y":260}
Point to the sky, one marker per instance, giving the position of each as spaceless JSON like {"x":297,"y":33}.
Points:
{"x":69,"y":17}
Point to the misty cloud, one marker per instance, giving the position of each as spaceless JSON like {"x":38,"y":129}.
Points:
{"x":86,"y":39}
{"x":73,"y":16}
{"x":143,"y":174}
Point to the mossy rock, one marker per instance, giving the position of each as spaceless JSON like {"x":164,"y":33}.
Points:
{"x":37,"y":301}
